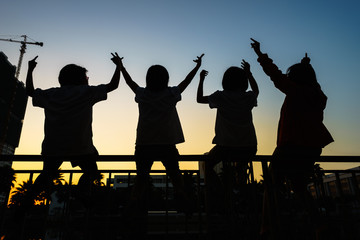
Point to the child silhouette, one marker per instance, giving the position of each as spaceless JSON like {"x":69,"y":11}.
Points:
{"x":159,"y":128}
{"x":68,"y":122}
{"x":301,"y":132}
{"x":235,"y":136}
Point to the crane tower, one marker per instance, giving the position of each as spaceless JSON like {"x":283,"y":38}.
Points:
{"x":22,"y":50}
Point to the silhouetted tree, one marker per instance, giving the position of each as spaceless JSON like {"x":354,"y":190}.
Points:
{"x":20,"y":193}
{"x":7,"y":178}
{"x":59,"y":180}
{"x":98,"y":179}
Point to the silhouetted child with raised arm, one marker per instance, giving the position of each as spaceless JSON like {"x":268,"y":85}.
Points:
{"x":301,"y":132}
{"x":235,"y":136}
{"x":68,"y":123}
{"x":159,"y":128}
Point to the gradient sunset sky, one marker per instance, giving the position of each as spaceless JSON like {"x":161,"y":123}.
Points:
{"x":173,"y":33}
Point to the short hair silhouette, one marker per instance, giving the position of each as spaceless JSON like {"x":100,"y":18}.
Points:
{"x":73,"y":74}
{"x":157,"y":78}
{"x":235,"y":79}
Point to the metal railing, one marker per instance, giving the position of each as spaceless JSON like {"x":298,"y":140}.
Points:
{"x":263,"y":159}
{"x":203,"y":224}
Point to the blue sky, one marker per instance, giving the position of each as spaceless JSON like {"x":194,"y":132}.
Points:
{"x":173,"y":33}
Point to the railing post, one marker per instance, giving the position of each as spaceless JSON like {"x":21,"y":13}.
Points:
{"x":167,"y":205}
{"x":251,"y":171}
{"x":31,"y":177}
{"x":265,"y":170}
{"x":355,"y":184}
{"x":339,"y":191}
{"x":129,"y":178}
{"x":317,"y":189}
{"x":199,"y":201}
{"x":70,"y":179}
{"x":108,"y":183}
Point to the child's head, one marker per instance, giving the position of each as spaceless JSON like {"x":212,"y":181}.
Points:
{"x":73,"y":74}
{"x":235,"y":79}
{"x":157,"y":78}
{"x":302,"y":74}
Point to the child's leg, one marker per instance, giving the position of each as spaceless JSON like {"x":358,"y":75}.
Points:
{"x":50,"y":169}
{"x":273,"y":184}
{"x":169,"y":156}
{"x":143,"y":159}
{"x":176,"y":179}
{"x":183,"y":198}
{"x":170,"y":159}
{"x":215,"y":156}
{"x":90,"y":172}
{"x":213,"y":184}
{"x":242,"y":156}
{"x":137,"y":208}
{"x":44,"y":181}
{"x":139,"y":188}
{"x":299,"y":181}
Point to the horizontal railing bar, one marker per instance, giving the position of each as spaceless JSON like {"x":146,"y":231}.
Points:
{"x":183,"y":158}
{"x":341,"y":171}
{"x":156,"y":171}
{"x":101,"y":170}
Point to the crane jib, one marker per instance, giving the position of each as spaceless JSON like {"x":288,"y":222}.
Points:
{"x":22,"y":50}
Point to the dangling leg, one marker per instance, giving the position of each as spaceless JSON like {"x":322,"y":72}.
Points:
{"x":90,"y":173}
{"x":309,"y":220}
{"x":137,"y":208}
{"x":143,"y":160}
{"x":273,"y":180}
{"x":169,"y":156}
{"x":44,"y":181}
{"x":214,"y":186}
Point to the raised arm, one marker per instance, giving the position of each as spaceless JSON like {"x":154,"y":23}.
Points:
{"x":29,"y":77}
{"x":256,"y":46}
{"x":183,"y":85}
{"x":254,"y":87}
{"x":280,"y":80}
{"x":114,"y":83}
{"x":200,"y":92}
{"x":133,"y":85}
{"x":266,"y":63}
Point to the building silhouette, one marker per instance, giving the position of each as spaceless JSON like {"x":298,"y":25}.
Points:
{"x":13,"y":100}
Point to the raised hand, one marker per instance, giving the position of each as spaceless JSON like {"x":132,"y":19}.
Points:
{"x":117,"y":60}
{"x":198,"y":60}
{"x":246,"y":66}
{"x":203,"y":74}
{"x":256,"y":46}
{"x":200,"y":98}
{"x":32,"y":63}
{"x":191,"y":74}
{"x":29,"y":78}
{"x":305,"y":60}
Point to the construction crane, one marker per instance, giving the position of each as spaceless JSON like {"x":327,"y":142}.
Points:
{"x":22,"y":50}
